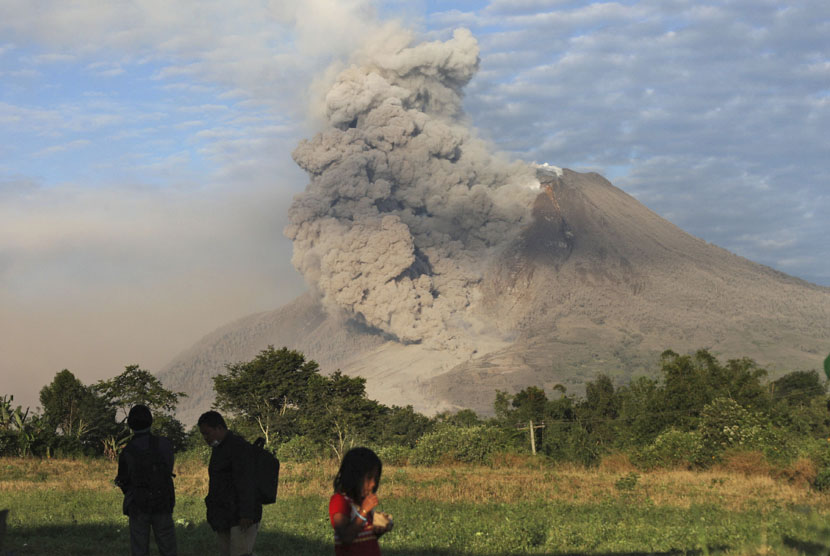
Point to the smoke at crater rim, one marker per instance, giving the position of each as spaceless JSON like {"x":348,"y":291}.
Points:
{"x":405,"y":204}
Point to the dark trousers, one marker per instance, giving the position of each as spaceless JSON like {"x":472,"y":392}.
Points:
{"x":163,"y":530}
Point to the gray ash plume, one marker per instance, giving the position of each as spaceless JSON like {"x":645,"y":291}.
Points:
{"x":405,"y":206}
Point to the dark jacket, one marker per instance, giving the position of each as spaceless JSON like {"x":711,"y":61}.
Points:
{"x":127,"y":468}
{"x":232,"y":491}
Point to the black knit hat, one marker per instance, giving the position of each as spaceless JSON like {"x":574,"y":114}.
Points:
{"x":140,"y":418}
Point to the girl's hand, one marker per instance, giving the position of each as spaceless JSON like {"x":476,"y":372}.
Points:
{"x":369,"y":503}
{"x":382,"y":524}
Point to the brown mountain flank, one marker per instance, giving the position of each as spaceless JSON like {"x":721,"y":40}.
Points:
{"x":596,"y":283}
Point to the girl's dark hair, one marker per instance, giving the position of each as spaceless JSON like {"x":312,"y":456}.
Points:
{"x":356,"y":465}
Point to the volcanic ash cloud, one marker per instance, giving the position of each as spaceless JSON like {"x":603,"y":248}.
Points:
{"x":404,"y":206}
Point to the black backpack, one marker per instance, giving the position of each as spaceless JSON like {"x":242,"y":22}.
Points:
{"x":266,"y":472}
{"x":150,"y":479}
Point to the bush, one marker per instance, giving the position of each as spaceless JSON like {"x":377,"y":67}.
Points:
{"x":802,"y":473}
{"x":817,"y":450}
{"x":616,"y":462}
{"x":571,"y":442}
{"x":822,"y":480}
{"x":394,"y":454}
{"x":451,"y":443}
{"x":198,"y":452}
{"x":725,"y":424}
{"x":299,"y":449}
{"x":672,"y":448}
{"x":8,"y":443}
{"x":627,"y":483}
{"x":746,"y":462}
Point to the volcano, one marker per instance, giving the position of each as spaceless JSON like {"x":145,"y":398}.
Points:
{"x":594,"y":283}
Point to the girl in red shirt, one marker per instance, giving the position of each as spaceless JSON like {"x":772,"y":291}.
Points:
{"x":351,"y":508}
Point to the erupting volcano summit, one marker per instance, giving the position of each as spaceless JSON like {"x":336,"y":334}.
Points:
{"x":441,"y":271}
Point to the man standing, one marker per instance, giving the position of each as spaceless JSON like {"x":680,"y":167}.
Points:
{"x":145,"y":475}
{"x":233,"y":508}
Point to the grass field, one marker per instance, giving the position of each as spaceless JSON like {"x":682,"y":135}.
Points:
{"x":68,"y":507}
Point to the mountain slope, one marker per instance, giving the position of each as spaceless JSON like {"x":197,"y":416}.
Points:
{"x":601,"y":284}
{"x":596,"y":283}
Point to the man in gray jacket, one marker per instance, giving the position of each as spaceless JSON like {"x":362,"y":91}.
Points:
{"x":233,"y":508}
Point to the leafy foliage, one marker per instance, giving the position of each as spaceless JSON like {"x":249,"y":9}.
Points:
{"x":403,"y":426}
{"x":463,"y":444}
{"x":299,"y":449}
{"x":266,"y":391}
{"x":21,"y":432}
{"x":337,"y":413}
{"x":822,"y":480}
{"x":79,"y":418}
{"x":672,"y":449}
{"x":136,"y":386}
{"x":394,"y":454}
{"x":696,"y":412}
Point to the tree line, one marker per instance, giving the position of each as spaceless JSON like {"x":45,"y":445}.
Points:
{"x":691,"y":413}
{"x":90,"y":420}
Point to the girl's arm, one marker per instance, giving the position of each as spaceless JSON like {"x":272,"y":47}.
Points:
{"x":347,"y":529}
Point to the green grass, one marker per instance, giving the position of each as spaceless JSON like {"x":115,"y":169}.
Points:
{"x":69,"y":518}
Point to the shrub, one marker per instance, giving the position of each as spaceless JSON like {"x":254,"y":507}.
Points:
{"x":817,"y":450}
{"x":394,"y":454}
{"x":747,"y":462}
{"x":725,"y":424}
{"x":462,"y":444}
{"x":198,"y":452}
{"x":571,"y":442}
{"x":627,"y":482}
{"x":802,"y":472}
{"x":672,"y":448}
{"x":822,"y":480}
{"x":299,"y":449}
{"x":616,"y":462}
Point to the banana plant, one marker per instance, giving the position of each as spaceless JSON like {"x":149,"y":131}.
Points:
{"x":114,"y":444}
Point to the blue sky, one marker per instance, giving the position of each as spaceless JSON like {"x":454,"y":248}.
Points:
{"x":145,"y":147}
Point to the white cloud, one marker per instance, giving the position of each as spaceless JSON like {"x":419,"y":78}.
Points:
{"x":72,"y":145}
{"x":53,"y":58}
{"x":105,"y":69}
{"x":656,"y":88}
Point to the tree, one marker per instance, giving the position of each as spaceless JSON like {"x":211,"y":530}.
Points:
{"x":12,"y":427}
{"x":461,"y":418}
{"x":501,"y":406}
{"x":692,"y":381}
{"x":76,"y":414}
{"x":531,"y":404}
{"x":800,"y":404}
{"x":798,"y":388}
{"x":266,"y":391}
{"x":137,"y":386}
{"x":403,"y":426}
{"x":338,"y":412}
{"x":641,"y":412}
{"x":600,"y":410}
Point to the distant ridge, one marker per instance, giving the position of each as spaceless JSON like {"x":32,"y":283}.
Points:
{"x":596,"y":283}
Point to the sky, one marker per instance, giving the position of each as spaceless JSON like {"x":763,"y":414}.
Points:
{"x":145,"y":146}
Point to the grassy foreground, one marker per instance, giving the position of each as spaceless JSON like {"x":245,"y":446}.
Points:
{"x":70,"y":507}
